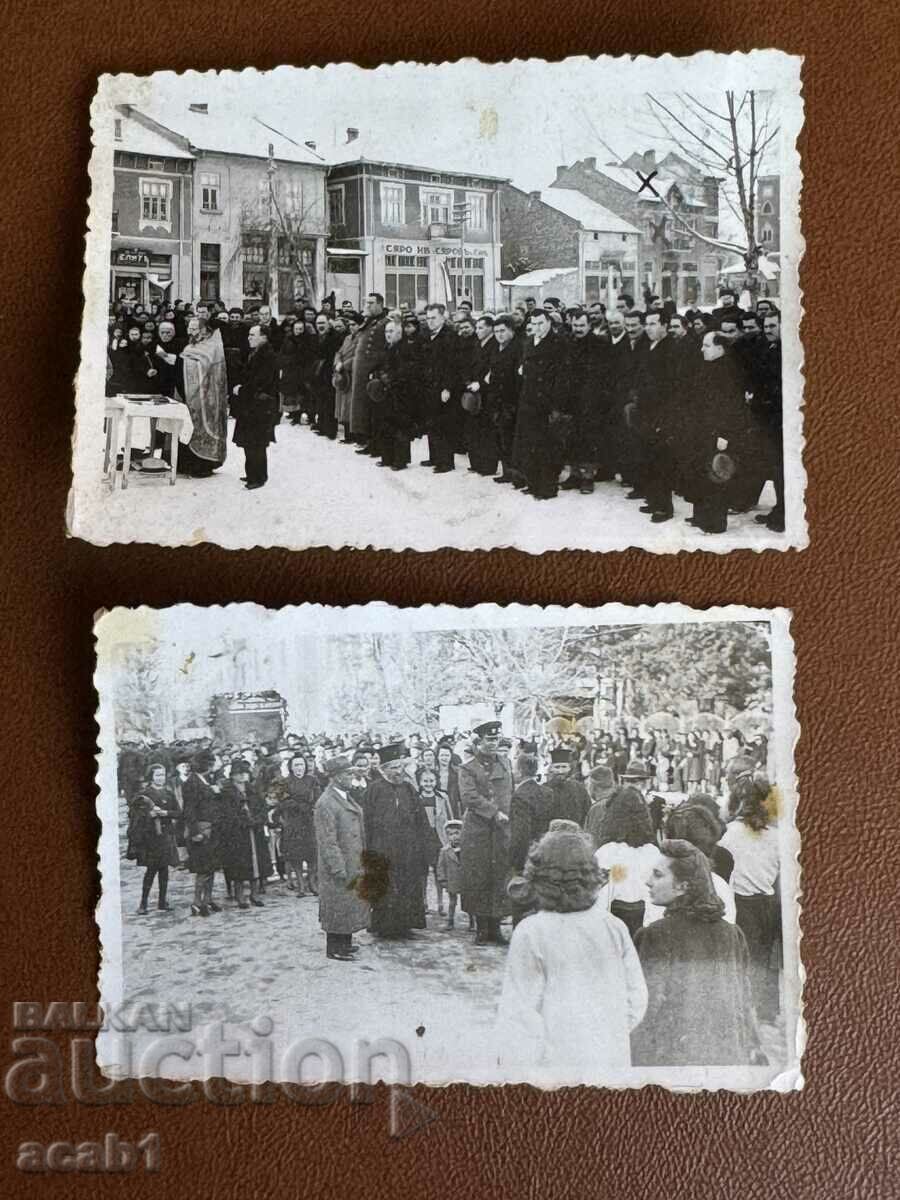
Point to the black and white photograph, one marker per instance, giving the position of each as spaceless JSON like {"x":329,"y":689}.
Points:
{"x":489,"y":845}
{"x":538,"y":305}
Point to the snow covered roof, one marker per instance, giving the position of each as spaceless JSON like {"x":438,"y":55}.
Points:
{"x":371,"y":148}
{"x":538,"y":278}
{"x":768,"y":268}
{"x":582,"y":208}
{"x":138,"y":138}
{"x":232,"y":132}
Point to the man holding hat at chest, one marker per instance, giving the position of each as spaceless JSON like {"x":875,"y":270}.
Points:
{"x":485,"y":792}
{"x":397,"y":847}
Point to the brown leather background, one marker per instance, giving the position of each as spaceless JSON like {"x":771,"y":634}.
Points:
{"x":839,"y":1137}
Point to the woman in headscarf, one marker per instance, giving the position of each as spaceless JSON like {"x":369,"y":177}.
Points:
{"x":700,"y":1009}
{"x":626,"y":849}
{"x":151,"y":834}
{"x":573,"y":989}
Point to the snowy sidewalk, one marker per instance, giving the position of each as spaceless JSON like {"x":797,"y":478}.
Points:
{"x":321,"y":493}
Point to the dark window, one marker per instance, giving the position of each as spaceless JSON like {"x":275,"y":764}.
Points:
{"x":210,"y":261}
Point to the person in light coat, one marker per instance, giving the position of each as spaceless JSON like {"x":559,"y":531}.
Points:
{"x":573,"y":990}
{"x":340,"y":845}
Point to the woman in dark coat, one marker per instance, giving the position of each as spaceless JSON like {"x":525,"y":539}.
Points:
{"x":700,"y":1010}
{"x":202,"y":814}
{"x":151,"y":834}
{"x":291,"y":381}
{"x":242,"y":835}
{"x":295,"y":813}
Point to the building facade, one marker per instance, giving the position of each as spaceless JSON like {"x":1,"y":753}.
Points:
{"x":768,"y":213}
{"x":151,"y":250}
{"x":395,"y":230}
{"x":673,"y":262}
{"x":562,"y":228}
{"x":192,"y":220}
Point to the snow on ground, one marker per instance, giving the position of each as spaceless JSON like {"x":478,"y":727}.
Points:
{"x":321,"y":493}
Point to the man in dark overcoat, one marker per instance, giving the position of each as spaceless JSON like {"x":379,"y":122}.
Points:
{"x":255,"y":407}
{"x":397,"y":847}
{"x":485,"y":792}
{"x":340,"y":845}
{"x":587,"y":386}
{"x":503,"y":391}
{"x":569,"y":798}
{"x":367,"y":355}
{"x":542,"y":421}
{"x":441,"y":390}
{"x":393,"y":391}
{"x":656,"y":421}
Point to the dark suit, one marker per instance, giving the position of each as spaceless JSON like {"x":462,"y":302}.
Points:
{"x":654,"y":427}
{"x":255,"y":408}
{"x":440,"y":363}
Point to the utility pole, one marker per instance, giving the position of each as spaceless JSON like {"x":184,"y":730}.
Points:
{"x":273,"y":236}
{"x":461,"y":217}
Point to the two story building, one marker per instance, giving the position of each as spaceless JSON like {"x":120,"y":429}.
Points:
{"x":395,"y":230}
{"x":193,"y":187}
{"x":561,"y":229}
{"x":673,"y":262}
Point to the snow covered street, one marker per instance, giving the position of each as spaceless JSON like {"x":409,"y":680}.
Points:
{"x":321,"y":493}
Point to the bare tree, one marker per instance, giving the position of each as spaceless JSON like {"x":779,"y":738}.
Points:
{"x":727,"y":139}
{"x":273,"y":220}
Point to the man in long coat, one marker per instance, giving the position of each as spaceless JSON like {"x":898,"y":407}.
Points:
{"x":397,"y":847}
{"x":588,"y":387}
{"x":485,"y":792}
{"x":441,"y":390}
{"x":368,"y":353}
{"x":541,"y":423}
{"x":255,"y":407}
{"x":340,"y":845}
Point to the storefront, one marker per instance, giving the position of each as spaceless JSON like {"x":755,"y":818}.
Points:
{"x":140,"y":277}
{"x":417,"y":272}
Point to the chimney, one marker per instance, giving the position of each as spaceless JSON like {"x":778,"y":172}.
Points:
{"x":649,"y":160}
{"x":560,"y":171}
{"x":310,"y":145}
{"x":199,"y":108}
{"x":591,"y":163}
{"x":534,"y":197}
{"x":352,"y":134}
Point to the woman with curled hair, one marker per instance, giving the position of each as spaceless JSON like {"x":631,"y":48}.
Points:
{"x":627,"y":848}
{"x":700,"y":1009}
{"x":573,"y":989}
{"x":694,"y":822}
{"x":752,"y":840}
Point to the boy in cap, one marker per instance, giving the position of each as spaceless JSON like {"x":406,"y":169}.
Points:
{"x":449,"y":873}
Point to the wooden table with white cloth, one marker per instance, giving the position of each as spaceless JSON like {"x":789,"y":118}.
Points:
{"x":164,"y":415}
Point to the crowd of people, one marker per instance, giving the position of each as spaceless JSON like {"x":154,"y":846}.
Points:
{"x":663,"y":402}
{"x":667,"y":904}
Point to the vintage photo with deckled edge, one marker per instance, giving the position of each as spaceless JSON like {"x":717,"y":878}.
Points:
{"x":610,"y":249}
{"x":434,"y":845}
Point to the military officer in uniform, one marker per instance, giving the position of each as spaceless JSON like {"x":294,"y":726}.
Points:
{"x":485,"y":792}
